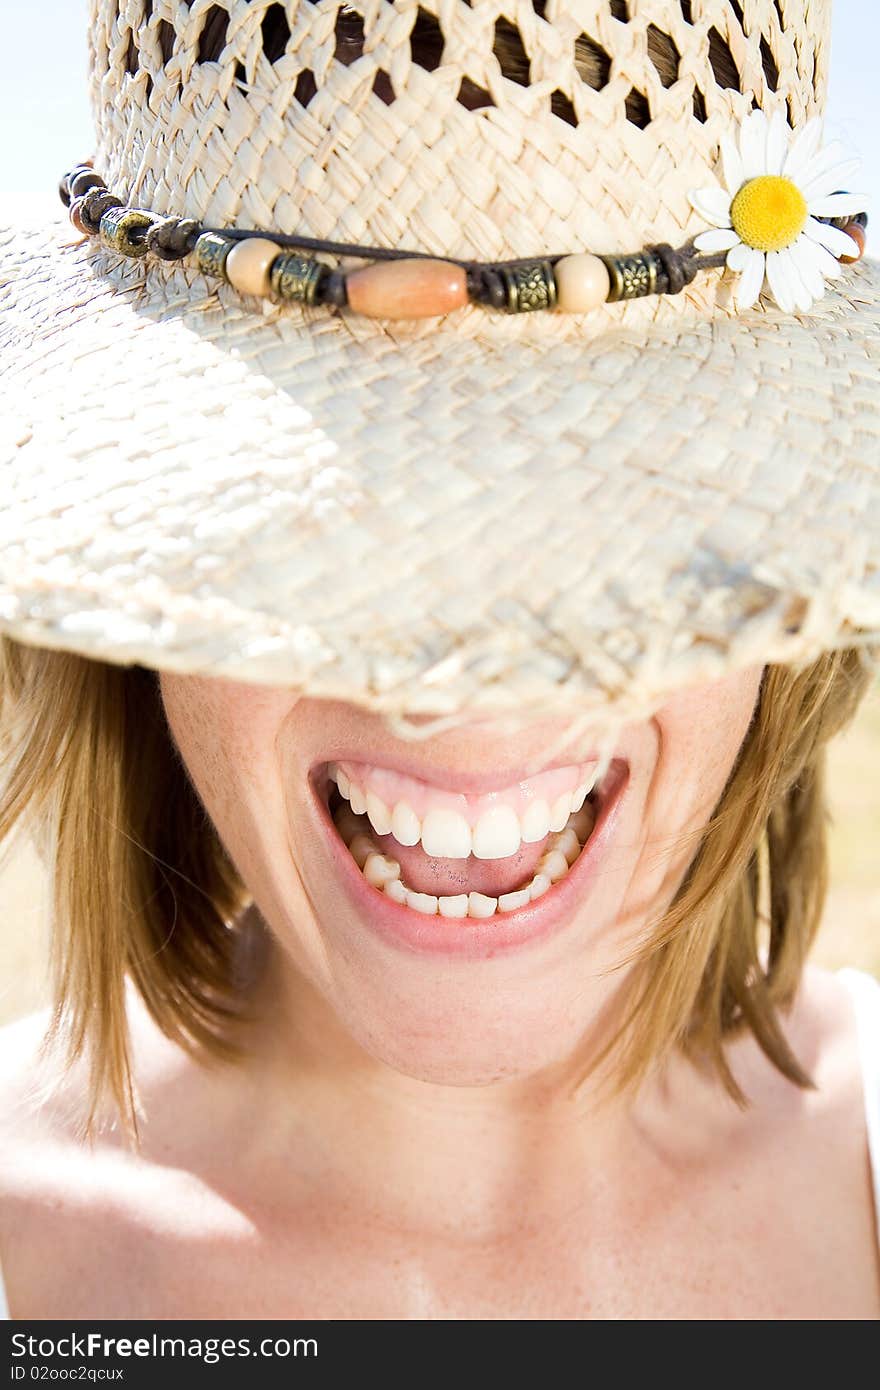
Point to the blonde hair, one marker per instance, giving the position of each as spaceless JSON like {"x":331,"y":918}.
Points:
{"x":143,"y":886}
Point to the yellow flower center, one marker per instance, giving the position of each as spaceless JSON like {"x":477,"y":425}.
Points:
{"x":768,"y":213}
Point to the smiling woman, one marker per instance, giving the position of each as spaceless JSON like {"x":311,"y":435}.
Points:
{"x":649,"y":863}
{"x":309,"y":898}
{"x":420,"y":699}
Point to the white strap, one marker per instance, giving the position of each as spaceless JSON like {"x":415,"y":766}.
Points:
{"x":864,"y":991}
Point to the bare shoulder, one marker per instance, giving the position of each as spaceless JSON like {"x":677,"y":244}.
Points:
{"x":62,"y":1197}
{"x":821,"y":1031}
{"x":32,"y":1167}
{"x":27,"y":1077}
{"x":44,"y":1101}
{"x":815,"y":1137}
{"x":42,"y":1105}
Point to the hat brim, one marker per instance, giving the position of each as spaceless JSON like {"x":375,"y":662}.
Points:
{"x":415,"y":517}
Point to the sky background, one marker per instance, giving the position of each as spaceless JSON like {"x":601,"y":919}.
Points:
{"x":45,"y":123}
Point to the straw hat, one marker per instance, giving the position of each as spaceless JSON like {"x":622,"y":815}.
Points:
{"x":482,"y":508}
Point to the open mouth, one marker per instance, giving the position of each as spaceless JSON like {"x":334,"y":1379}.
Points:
{"x":445,"y":854}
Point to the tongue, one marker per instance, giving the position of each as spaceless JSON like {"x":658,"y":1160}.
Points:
{"x":452,"y":876}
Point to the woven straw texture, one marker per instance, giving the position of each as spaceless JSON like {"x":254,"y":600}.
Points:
{"x":488,"y":510}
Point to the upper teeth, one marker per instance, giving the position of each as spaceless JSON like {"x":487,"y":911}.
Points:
{"x":444,"y":833}
{"x":496,"y":834}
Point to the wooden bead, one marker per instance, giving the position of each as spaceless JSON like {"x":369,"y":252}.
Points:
{"x":82,"y":181}
{"x":419,"y":288}
{"x":247,"y":265}
{"x":75,"y":215}
{"x":64,"y":185}
{"x":582,"y":283}
{"x":857,"y":232}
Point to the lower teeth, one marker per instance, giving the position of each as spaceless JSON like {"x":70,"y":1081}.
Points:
{"x":383,"y":872}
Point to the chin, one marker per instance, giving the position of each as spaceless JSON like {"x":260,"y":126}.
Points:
{"x":475,"y":1037}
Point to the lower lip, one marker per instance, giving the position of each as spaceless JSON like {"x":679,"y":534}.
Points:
{"x":475,"y":938}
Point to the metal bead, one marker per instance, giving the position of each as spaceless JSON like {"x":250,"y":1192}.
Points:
{"x":632,"y":277}
{"x":248,"y":264}
{"x":418,"y":287}
{"x":211,"y":251}
{"x":582,"y":283}
{"x":119,"y":228}
{"x":529,"y":286}
{"x":295,"y":279}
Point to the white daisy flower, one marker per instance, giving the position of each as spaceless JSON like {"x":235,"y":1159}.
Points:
{"x":777,"y":184}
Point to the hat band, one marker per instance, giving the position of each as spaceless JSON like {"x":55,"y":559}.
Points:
{"x":397,"y":284}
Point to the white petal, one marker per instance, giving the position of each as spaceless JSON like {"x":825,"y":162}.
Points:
{"x":829,"y":157}
{"x":833,"y":180}
{"x":782,"y":281}
{"x":803,"y":147}
{"x":808,"y":269}
{"x":799,"y":279}
{"x":713,"y":204}
{"x":740,"y":256}
{"x":832,"y":238}
{"x":825,"y":156}
{"x":752,"y":280}
{"x":719,"y":239}
{"x":753,"y":144}
{"x":803,"y":278}
{"x":731,"y":164}
{"x":825,"y":262}
{"x":777,"y":143}
{"x":838,"y":204}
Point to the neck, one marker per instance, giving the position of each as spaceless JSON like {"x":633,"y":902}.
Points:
{"x":517,"y":1150}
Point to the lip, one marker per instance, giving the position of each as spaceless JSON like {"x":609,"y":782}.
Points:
{"x":474,"y":938}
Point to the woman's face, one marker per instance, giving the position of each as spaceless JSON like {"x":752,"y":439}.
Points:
{"x":462,"y":928}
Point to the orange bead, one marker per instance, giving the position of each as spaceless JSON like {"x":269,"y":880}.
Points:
{"x":857,"y":232}
{"x":420,"y":288}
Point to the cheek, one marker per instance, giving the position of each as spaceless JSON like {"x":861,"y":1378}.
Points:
{"x":700,"y":735}
{"x":226,"y":735}
{"x":196,"y":720}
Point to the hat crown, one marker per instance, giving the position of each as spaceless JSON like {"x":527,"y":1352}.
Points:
{"x":491,"y":129}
